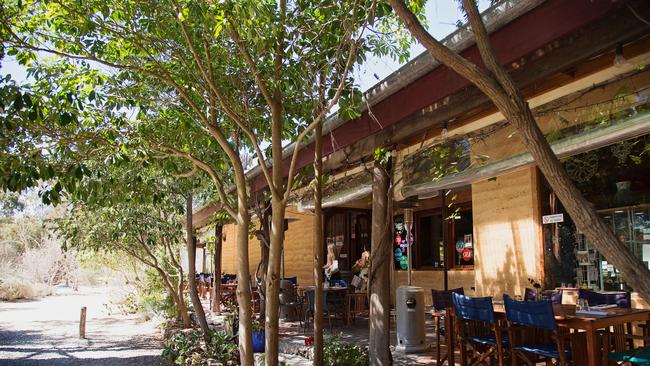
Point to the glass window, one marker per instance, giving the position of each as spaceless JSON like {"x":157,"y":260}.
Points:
{"x":431,"y":250}
{"x":462,"y":237}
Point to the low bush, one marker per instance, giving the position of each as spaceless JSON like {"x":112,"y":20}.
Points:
{"x":336,"y":352}
{"x":187,"y":348}
{"x":19,"y":288}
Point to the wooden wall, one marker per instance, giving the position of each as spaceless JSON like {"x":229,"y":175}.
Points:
{"x":507,"y":232}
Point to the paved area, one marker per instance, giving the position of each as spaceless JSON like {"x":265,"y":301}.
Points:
{"x":293,"y":337}
{"x":45,"y":332}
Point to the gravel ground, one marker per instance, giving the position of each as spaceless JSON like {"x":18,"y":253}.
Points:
{"x":45,"y":332}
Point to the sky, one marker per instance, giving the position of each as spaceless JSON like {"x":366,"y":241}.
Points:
{"x":441,"y":15}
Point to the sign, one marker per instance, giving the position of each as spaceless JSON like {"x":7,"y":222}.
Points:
{"x":460,"y":245}
{"x":398,"y":253}
{"x":467,"y":254}
{"x":552,"y":219}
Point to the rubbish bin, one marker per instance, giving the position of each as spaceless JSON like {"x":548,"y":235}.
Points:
{"x":411,"y":335}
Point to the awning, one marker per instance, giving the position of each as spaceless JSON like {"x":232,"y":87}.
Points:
{"x":342,"y":190}
{"x":629,"y":128}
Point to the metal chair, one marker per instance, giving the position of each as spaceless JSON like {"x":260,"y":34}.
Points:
{"x":477,"y":328}
{"x":442,"y":300}
{"x":309,"y":313}
{"x":289,"y":299}
{"x":527,"y":316}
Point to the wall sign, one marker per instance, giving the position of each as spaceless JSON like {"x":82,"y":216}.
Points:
{"x":552,"y":219}
{"x":467,"y":254}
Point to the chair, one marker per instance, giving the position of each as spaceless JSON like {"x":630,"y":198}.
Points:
{"x":293,"y":280}
{"x":554,"y":295}
{"x":639,"y":356}
{"x":442,"y":300}
{"x":527,"y":316}
{"x":620,"y":299}
{"x":289,"y":299}
{"x":477,"y":328}
{"x":309,"y":313}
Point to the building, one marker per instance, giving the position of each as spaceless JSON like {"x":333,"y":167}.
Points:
{"x":582,"y":66}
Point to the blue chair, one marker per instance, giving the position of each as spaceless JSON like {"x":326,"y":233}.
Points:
{"x":293,"y":280}
{"x":620,"y":299}
{"x":477,"y":328}
{"x":554,"y":295}
{"x":527,"y":316}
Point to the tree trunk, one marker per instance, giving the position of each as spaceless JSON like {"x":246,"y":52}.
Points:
{"x":180,"y":304}
{"x":243,"y":281}
{"x":191,"y":274}
{"x":318,"y":246}
{"x":273,"y":281}
{"x":263,"y":266}
{"x":216,"y":269}
{"x":379,"y":276}
{"x":501,"y":89}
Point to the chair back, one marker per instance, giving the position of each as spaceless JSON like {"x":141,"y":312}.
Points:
{"x":311,"y":299}
{"x":530,"y":294}
{"x":554,"y":295}
{"x":534,"y":314}
{"x":474,"y":308}
{"x":293,"y":280}
{"x":442,"y":298}
{"x":620,"y":299}
{"x":287,"y":292}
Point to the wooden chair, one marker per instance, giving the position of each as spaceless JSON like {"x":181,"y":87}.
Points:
{"x":534,"y":316}
{"x":442,"y":300}
{"x":618,"y":348}
{"x":478,"y":329}
{"x":310,"y":295}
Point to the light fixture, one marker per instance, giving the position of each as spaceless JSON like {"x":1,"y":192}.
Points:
{"x":619,"y":59}
{"x":408,"y":204}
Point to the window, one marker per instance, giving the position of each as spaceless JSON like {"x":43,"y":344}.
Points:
{"x":429,"y":243}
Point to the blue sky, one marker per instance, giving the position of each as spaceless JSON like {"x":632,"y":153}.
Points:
{"x":442,"y":16}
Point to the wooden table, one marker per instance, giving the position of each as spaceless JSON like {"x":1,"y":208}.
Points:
{"x":565,"y":316}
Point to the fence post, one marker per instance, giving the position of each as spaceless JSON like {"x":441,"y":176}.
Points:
{"x":82,"y":323}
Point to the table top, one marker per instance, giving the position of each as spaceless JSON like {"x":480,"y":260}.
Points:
{"x":566,"y":316}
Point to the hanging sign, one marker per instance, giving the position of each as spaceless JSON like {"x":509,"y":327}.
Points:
{"x":552,"y":219}
{"x":467,"y":254}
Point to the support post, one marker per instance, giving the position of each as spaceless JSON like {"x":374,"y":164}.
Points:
{"x":445,"y":238}
{"x":380,"y":262}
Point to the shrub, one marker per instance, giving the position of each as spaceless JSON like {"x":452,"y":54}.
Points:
{"x":337,"y":352}
{"x":187,"y":347}
{"x":16,"y":288}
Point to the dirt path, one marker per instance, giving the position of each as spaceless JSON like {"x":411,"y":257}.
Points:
{"x":45,"y":332}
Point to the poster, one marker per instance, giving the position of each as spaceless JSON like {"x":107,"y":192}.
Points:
{"x":400,"y":245}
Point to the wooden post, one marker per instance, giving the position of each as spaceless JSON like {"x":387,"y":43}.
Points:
{"x":380,"y":262}
{"x":82,"y":323}
{"x":318,"y":247}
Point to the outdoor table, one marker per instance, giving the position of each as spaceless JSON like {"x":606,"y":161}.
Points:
{"x":228,"y":294}
{"x":565,"y":316}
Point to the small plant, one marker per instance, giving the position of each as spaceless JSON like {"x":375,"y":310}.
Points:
{"x":336,"y":352}
{"x":222,"y":348}
{"x":258,"y":325}
{"x":181,"y":347}
{"x":533,"y":282}
{"x":188,"y":348}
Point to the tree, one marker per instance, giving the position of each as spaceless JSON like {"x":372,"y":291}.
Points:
{"x":149,"y":232}
{"x":495,"y":82}
{"x":245,"y":73}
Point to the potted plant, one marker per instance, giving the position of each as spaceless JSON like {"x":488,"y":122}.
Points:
{"x":258,"y":336}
